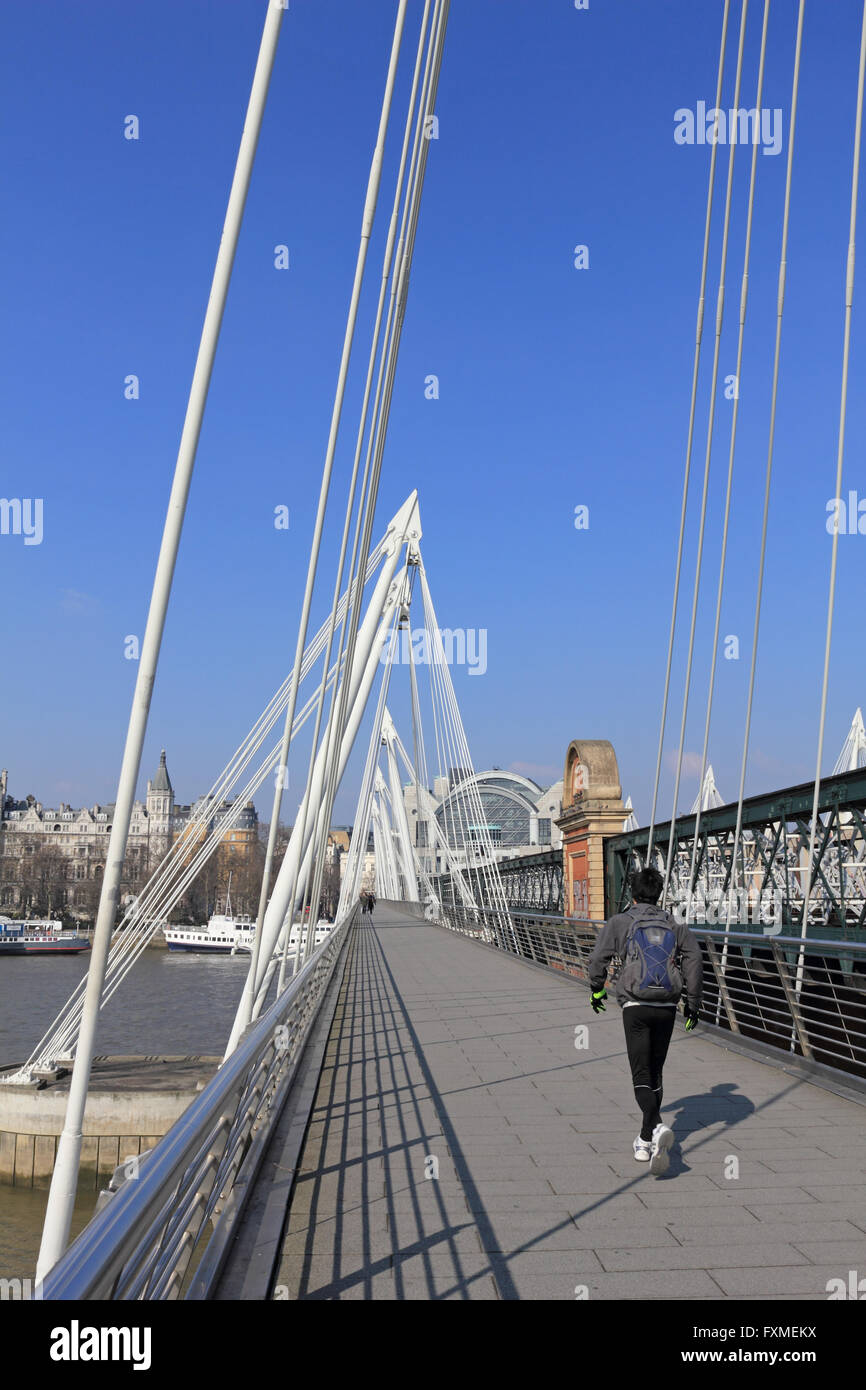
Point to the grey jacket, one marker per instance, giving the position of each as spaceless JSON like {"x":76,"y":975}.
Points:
{"x":612,"y":941}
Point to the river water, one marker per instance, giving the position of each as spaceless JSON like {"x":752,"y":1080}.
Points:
{"x":171,"y":1003}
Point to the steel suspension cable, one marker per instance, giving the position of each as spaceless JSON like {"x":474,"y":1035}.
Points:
{"x":133,"y":940}
{"x":64,"y":1180}
{"x":720,"y":307}
{"x":691,"y":430}
{"x":840,"y":455}
{"x":161,"y":892}
{"x":389,"y":361}
{"x":780,"y":307}
{"x":362,"y":423}
{"x":370,"y":203}
{"x":468,"y":787}
{"x":744,"y":290}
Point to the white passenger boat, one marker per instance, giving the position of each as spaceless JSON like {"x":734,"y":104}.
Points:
{"x":228,"y":935}
{"x":224,"y":935}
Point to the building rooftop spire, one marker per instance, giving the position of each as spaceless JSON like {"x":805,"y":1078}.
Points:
{"x":162,"y":781}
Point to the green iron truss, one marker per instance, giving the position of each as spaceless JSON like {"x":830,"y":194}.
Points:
{"x":768,"y":882}
{"x":531,"y":882}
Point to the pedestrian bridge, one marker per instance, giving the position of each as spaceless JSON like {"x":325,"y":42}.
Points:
{"x":418,"y":1111}
{"x":449,"y":1136}
{"x":448,"y":1058}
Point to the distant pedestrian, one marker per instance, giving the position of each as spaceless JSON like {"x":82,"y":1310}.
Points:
{"x":371,"y":903}
{"x":652,"y":946}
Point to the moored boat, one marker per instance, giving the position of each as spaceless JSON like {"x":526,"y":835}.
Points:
{"x":224,"y":934}
{"x":39,"y":938}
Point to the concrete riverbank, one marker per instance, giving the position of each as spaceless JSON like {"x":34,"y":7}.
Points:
{"x":133,"y":1102}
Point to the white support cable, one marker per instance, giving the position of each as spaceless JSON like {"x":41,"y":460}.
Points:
{"x":381,"y":849}
{"x":374,"y":633}
{"x":446,"y":755}
{"x":388,"y":361}
{"x":171,"y":878}
{"x":417,"y":724}
{"x":64,"y":1182}
{"x":380,"y":602}
{"x":419,"y":765}
{"x":400,"y":817}
{"x":426,"y":882}
{"x":840,"y":456}
{"x":331,"y":732}
{"x":366,"y":786}
{"x":370,"y":203}
{"x":358,"y":707}
{"x":133,"y":941}
{"x":388,"y":845}
{"x":692,"y":408}
{"x":387,"y":648}
{"x":354,"y":590}
{"x":444,"y":729}
{"x":142,"y":919}
{"x":468,"y":786}
{"x":465,"y":791}
{"x":334,"y":772}
{"x":453,"y":865}
{"x":343,"y":905}
{"x":744,"y":290}
{"x":780,"y":306}
{"x":361,"y":828}
{"x":358,"y":846}
{"x":451,"y":807}
{"x":717,"y":344}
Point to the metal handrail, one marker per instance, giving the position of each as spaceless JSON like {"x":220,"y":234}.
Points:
{"x":143,"y":1238}
{"x":795,"y":995}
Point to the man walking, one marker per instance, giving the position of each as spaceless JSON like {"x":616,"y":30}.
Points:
{"x":652,"y":946}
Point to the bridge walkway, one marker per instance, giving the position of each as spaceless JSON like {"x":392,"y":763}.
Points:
{"x":461,"y":1146}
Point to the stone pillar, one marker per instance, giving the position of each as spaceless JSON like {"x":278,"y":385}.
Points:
{"x":592,"y":809}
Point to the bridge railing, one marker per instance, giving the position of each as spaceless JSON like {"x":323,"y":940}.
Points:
{"x":165,"y":1232}
{"x":807,"y":999}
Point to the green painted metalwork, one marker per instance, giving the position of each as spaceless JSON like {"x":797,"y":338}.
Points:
{"x":532,"y":882}
{"x":767,"y":884}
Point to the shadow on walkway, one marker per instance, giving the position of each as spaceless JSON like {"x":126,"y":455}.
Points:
{"x":379,"y":1110}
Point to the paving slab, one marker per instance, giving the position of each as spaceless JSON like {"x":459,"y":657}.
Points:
{"x":448,"y":1056}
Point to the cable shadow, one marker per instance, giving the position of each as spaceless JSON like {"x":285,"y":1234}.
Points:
{"x":370,"y":1061}
{"x":365,"y":1065}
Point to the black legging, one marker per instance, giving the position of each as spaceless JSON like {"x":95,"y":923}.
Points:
{"x":647,"y":1038}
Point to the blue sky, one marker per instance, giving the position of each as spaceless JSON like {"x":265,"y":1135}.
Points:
{"x":558,"y":387}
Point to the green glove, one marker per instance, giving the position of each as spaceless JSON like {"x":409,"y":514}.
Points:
{"x":597,"y":999}
{"x":691,"y":1017}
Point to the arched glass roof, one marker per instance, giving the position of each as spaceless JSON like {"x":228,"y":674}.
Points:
{"x":507,"y":804}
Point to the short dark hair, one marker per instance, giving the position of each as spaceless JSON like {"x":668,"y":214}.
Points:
{"x":646,"y":885}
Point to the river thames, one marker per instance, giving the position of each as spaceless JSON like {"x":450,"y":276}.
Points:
{"x":171,"y":1003}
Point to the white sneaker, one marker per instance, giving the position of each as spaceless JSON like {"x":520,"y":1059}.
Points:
{"x":662,"y":1143}
{"x":642,"y":1150}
